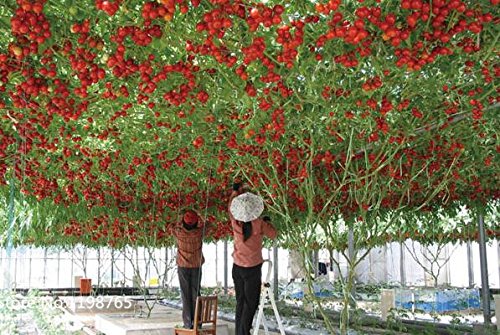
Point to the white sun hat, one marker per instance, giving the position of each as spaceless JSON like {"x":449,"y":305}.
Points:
{"x":246,"y":207}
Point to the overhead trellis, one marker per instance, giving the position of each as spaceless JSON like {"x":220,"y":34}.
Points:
{"x":119,"y":113}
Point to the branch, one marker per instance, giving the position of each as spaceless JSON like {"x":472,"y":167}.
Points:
{"x":413,"y":254}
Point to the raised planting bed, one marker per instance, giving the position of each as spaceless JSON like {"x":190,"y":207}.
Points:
{"x":161,"y":322}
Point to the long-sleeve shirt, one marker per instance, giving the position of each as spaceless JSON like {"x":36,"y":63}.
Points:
{"x":249,"y":253}
{"x":189,"y":245}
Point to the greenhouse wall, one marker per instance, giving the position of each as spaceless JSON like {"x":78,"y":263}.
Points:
{"x":453,"y":273}
{"x":52,"y":268}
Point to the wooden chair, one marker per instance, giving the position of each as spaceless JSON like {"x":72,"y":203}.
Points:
{"x":205,"y":314}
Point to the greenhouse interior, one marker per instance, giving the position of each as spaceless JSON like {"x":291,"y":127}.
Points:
{"x":249,"y":167}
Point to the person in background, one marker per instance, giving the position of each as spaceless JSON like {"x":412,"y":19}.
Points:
{"x":189,"y":233}
{"x":322,"y":269}
{"x":295,"y":266}
{"x":247,"y":264}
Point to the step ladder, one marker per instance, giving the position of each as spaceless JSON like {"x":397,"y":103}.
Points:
{"x":266,"y":297}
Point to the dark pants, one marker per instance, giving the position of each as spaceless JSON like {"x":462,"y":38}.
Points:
{"x":189,"y":281}
{"x":247,"y":282}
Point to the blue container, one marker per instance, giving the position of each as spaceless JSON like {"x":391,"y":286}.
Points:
{"x":404,"y":299}
{"x":430,"y":300}
{"x":297,"y":295}
{"x":457,"y":300}
{"x":425,"y":300}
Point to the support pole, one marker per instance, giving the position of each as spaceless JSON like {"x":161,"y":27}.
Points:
{"x":402,"y":272}
{"x":15,"y":266}
{"x":44,"y":267}
{"x":485,"y":288}
{"x":498,"y":263}
{"x":497,"y":309}
{"x":2,"y":266}
{"x":29,"y":267}
{"x":315,"y":262}
{"x":72,"y":269}
{"x":124,"y":267}
{"x":370,"y":267}
{"x":11,"y":221}
{"x":112,"y":267}
{"x":275,"y":269}
{"x":58,"y":266}
{"x":386,"y":274}
{"x":217,"y":264}
{"x":352,"y":255}
{"x":337,"y":270}
{"x":350,"y":245}
{"x":470,"y":264}
{"x":225,"y":267}
{"x":98,"y":267}
{"x":330,"y":255}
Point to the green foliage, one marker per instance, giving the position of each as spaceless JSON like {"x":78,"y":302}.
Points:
{"x":22,"y":314}
{"x":118,"y":115}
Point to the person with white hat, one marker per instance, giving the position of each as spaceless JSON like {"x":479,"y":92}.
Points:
{"x":249,"y":230}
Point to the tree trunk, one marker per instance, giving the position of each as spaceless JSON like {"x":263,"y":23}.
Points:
{"x":346,"y":302}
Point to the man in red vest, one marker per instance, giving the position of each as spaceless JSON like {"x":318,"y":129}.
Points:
{"x":189,"y":233}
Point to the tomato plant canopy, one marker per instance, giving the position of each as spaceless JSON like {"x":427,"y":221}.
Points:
{"x":116,"y":115}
